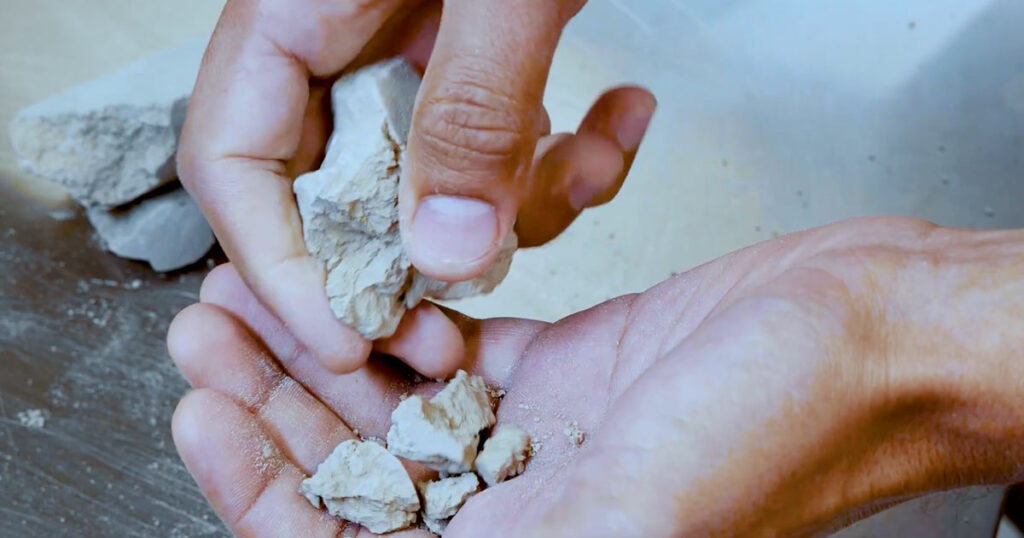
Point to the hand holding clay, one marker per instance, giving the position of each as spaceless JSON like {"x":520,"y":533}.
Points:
{"x":776,"y":391}
{"x":479,"y":162}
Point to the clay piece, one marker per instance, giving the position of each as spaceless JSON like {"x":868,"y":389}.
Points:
{"x":442,"y":498}
{"x":504,"y":454}
{"x":444,"y":432}
{"x":349,"y":207}
{"x":112,"y":139}
{"x":167,"y":230}
{"x":363,"y":483}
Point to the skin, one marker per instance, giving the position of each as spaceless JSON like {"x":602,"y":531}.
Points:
{"x":782,"y":390}
{"x":480,"y":159}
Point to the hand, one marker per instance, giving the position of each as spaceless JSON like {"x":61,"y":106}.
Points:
{"x":779,"y":391}
{"x":479,"y":158}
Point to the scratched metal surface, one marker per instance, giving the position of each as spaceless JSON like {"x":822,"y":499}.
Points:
{"x":81,"y":347}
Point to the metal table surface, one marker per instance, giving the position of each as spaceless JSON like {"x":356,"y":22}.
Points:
{"x":775,"y":115}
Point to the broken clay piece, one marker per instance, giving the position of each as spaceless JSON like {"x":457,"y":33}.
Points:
{"x":444,"y":432}
{"x":166,"y":229}
{"x":349,"y":207}
{"x":504,"y":454}
{"x":363,"y":483}
{"x":442,"y":498}
{"x":112,"y":139}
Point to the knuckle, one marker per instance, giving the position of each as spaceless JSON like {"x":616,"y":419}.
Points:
{"x":472,"y":123}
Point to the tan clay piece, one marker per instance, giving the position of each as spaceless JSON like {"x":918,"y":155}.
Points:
{"x":504,"y":454}
{"x":349,"y":206}
{"x":444,"y":497}
{"x":443,"y":433}
{"x":363,"y":483}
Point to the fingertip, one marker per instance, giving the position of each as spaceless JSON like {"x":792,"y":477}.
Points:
{"x":185,"y":424}
{"x":181,"y":333}
{"x":293,"y":289}
{"x":453,"y":238}
{"x":428,"y":341}
{"x":217,"y":281}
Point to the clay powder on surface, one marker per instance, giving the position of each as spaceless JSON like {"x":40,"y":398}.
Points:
{"x":444,"y":432}
{"x":363,"y":483}
{"x":504,"y":454}
{"x":349,"y":206}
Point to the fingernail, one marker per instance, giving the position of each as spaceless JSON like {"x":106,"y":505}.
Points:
{"x":582,"y":192}
{"x":631,"y":130}
{"x":449,"y":230}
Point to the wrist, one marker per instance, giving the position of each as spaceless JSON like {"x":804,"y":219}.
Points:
{"x":955,"y":318}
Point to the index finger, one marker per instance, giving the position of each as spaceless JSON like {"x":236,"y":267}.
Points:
{"x":245,"y":121}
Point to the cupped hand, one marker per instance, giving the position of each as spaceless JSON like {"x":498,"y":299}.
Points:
{"x":479,"y":161}
{"x":774,"y":392}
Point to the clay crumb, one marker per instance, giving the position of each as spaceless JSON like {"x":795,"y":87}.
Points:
{"x":504,"y":454}
{"x":33,"y":418}
{"x":574,"y":433}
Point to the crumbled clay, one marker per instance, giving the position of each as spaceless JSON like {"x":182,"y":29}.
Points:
{"x":167,"y":230}
{"x":574,"y":433}
{"x":349,"y":207}
{"x":442,"y":498}
{"x":504,"y":454}
{"x":112,"y":139}
{"x":444,"y":432}
{"x":363,"y":483}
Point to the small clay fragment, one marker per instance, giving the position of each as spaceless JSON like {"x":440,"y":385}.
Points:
{"x":504,"y":454}
{"x":442,"y":498}
{"x":443,"y":433}
{"x":363,"y":483}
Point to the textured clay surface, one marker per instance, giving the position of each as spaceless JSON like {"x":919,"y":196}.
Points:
{"x":349,"y":206}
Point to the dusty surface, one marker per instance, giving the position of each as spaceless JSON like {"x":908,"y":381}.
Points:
{"x":165,"y":229}
{"x":444,"y":432}
{"x":349,"y":206}
{"x":363,"y":483}
{"x":504,"y":454}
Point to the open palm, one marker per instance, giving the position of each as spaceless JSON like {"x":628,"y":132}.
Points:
{"x":701,"y":399}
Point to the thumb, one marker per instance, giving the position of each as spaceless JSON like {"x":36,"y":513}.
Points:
{"x":474,"y":129}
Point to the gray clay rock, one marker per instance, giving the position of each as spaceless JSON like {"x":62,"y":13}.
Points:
{"x":349,"y":206}
{"x":167,"y":230}
{"x":112,"y":139}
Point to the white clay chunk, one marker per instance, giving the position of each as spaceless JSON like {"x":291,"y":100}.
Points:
{"x":443,"y":433}
{"x":349,"y":207}
{"x":442,"y":498}
{"x":504,"y":454}
{"x":363,"y":483}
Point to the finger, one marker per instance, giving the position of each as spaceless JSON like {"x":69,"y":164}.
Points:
{"x":245,"y":120}
{"x":239,"y":470}
{"x":571,"y":173}
{"x":493,"y":347}
{"x":214,"y":350}
{"x":474,"y":128}
{"x":427,"y":341}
